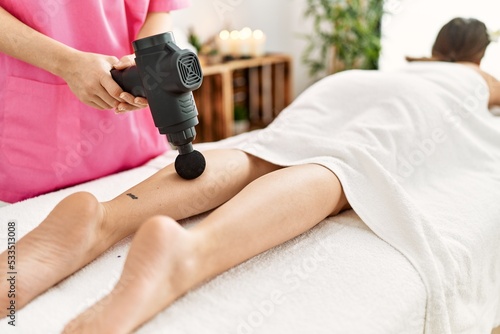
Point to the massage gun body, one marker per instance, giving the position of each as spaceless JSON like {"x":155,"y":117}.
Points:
{"x":166,"y":76}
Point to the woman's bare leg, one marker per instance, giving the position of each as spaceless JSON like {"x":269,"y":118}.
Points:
{"x":80,"y":228}
{"x":165,"y":260}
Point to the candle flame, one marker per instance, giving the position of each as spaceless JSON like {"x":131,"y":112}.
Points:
{"x":258,"y":34}
{"x":245,"y":33}
{"x":235,"y":34}
{"x":224,"y":34}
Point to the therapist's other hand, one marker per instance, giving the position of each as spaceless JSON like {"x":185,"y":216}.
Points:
{"x":130,"y":102}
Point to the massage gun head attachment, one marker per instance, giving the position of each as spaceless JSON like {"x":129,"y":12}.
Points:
{"x":166,"y":76}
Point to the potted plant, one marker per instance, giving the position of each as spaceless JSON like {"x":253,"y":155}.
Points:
{"x":241,"y":122}
{"x":206,"y":51}
{"x":346,"y":34}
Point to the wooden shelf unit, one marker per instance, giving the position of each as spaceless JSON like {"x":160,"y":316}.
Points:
{"x":266,"y":82}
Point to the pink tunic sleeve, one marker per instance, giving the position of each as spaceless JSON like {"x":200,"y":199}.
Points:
{"x":167,"y":5}
{"x":48,"y":138}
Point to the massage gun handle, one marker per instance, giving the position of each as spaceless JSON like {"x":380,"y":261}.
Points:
{"x":129,"y":80}
{"x":174,"y":114}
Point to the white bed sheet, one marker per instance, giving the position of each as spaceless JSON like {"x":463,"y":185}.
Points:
{"x":337,"y":278}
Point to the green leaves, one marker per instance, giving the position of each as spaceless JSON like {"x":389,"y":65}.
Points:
{"x":346,"y":35}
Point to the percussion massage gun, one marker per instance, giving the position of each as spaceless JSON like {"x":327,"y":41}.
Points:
{"x":166,"y":76}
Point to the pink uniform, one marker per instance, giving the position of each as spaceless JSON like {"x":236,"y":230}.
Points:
{"x":48,"y":138}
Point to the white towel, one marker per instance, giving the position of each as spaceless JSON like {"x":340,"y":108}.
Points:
{"x":418,"y":155}
{"x":337,"y":278}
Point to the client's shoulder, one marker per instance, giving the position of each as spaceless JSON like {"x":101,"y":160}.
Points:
{"x":491,"y":81}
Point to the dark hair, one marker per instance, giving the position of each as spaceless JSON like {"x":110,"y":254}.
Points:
{"x":460,"y":40}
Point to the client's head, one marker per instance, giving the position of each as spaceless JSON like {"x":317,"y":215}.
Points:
{"x":460,"y":40}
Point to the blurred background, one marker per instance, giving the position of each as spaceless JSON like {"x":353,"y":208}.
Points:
{"x":258,"y":55}
{"x":408,"y":27}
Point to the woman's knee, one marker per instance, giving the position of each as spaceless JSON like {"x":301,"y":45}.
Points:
{"x":342,"y":205}
{"x":260,"y":166}
{"x":342,"y":202}
{"x":330,"y":186}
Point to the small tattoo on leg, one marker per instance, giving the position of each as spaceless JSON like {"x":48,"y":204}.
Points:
{"x":132,"y":196}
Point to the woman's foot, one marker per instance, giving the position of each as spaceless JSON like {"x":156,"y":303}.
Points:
{"x":68,"y":239}
{"x":160,"y":267}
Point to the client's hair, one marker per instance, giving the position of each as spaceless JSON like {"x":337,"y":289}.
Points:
{"x":460,"y":40}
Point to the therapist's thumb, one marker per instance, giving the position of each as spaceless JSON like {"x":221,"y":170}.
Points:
{"x":124,"y":62}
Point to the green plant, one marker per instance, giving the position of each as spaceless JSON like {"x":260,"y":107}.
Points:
{"x":346,"y":35}
{"x":195,"y":40}
{"x":240,"y":113}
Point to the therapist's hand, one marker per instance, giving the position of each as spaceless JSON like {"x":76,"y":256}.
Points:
{"x":130,"y":102}
{"x":89,"y":78}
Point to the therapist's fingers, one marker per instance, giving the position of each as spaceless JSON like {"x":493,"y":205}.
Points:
{"x":134,"y":101}
{"x":140,"y":101}
{"x":110,"y":100}
{"x":98,"y":103}
{"x":128,"y":98}
{"x":108,"y":91}
{"x":126,"y":101}
{"x":131,"y":103}
{"x":125,"y":107}
{"x":112,"y":89}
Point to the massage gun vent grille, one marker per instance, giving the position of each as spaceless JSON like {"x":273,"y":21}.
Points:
{"x":190,"y":70}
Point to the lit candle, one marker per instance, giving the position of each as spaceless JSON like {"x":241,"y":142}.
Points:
{"x":258,"y":43}
{"x":246,"y":42}
{"x":223,"y":43}
{"x":235,"y":43}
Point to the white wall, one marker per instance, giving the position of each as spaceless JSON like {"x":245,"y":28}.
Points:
{"x":410,"y":31}
{"x":413,"y":28}
{"x":281,"y":20}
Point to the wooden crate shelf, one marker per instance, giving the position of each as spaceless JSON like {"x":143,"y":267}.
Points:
{"x":263,"y":85}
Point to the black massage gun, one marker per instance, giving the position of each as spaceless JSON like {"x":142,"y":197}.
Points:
{"x":166,"y":76}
